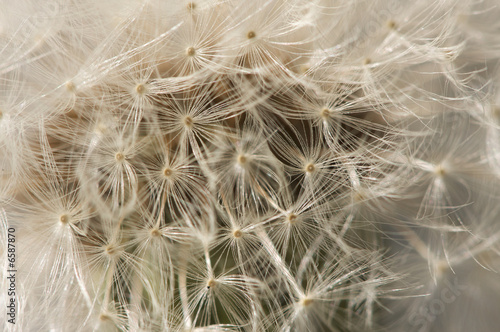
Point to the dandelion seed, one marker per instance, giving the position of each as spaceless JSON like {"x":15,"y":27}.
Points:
{"x":325,"y":113}
{"x":242,"y":159}
{"x":237,"y":233}
{"x":440,"y":170}
{"x":262,"y":165}
{"x":119,"y":156}
{"x":292,"y":218}
{"x":211,"y":283}
{"x":64,"y":219}
{"x":310,"y":168}
{"x":155,"y":232}
{"x":306,"y":302}
{"x":167,"y":172}
{"x":140,"y":89}
{"x":112,"y":250}
{"x":190,"y":51}
{"x":391,"y":24}
{"x":70,"y":86}
{"x":105,"y":317}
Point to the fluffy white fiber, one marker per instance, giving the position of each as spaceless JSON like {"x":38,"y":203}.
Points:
{"x":250,"y":165}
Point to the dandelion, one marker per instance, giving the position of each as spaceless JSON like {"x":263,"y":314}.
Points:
{"x":266,"y":165}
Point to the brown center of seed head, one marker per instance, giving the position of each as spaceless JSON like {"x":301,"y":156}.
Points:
{"x":155,"y":232}
{"x":104,"y":317}
{"x":188,"y":121}
{"x":70,"y":86}
{"x":391,"y":24}
{"x":119,"y":156}
{"x":251,"y":35}
{"x":111,"y":249}
{"x":310,"y":168}
{"x":167,"y":172}
{"x":242,"y":159}
{"x":190,"y":51}
{"x":325,"y":113}
{"x":140,"y":89}
{"x":64,"y":219}
{"x":237,"y":233}
{"x":307,"y":302}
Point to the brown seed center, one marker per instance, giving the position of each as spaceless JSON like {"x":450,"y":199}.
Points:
{"x":307,"y":302}
{"x":188,"y":121}
{"x":310,"y":168}
{"x":111,"y":249}
{"x":140,"y":89}
{"x":167,"y":172}
{"x":439,"y":170}
{"x":211,"y":283}
{"x":119,"y":156}
{"x":70,"y":86}
{"x":64,"y":219}
{"x":155,"y":232}
{"x":325,"y":113}
{"x":190,"y":51}
{"x":242,"y":159}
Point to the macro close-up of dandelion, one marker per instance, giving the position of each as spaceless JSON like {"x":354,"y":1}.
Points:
{"x":258,"y":165}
